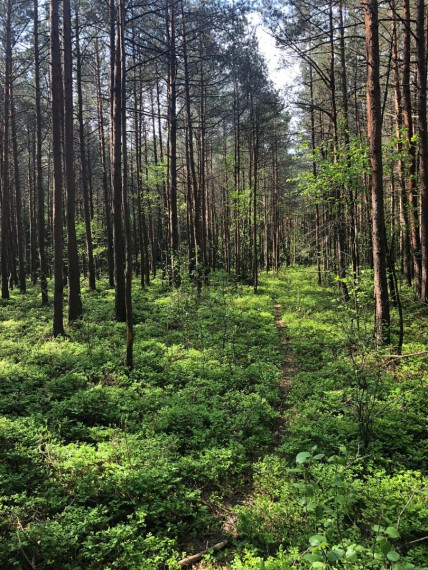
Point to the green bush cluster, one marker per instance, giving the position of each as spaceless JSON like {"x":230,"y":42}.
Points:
{"x":104,"y":468}
{"x":347,"y":487}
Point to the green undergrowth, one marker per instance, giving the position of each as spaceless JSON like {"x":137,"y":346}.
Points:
{"x":104,"y":468}
{"x":347,"y":488}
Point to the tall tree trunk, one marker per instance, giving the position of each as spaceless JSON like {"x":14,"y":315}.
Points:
{"x":116,"y":143}
{"x":339,"y":214}
{"x":172,"y":147}
{"x":255,"y":145}
{"x":408,"y":123}
{"x":126,"y":215}
{"x":5,"y":217}
{"x":56,"y":102}
{"x":403,"y":202}
{"x":423,"y":145}
{"x":38,"y":166}
{"x":83,"y":164}
{"x":74,"y":299}
{"x":105,"y":174}
{"x":18,"y":198}
{"x":32,"y":207}
{"x":314,"y":172}
{"x":195,"y":203}
{"x":374,"y":129}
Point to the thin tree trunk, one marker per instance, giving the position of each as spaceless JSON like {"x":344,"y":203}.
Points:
{"x":126,"y":215}
{"x":172,"y":147}
{"x":408,"y":123}
{"x":105,"y":175}
{"x":339,"y":214}
{"x":74,"y":299}
{"x":423,"y":146}
{"x":18,"y":198}
{"x":116,"y":143}
{"x":374,"y":128}
{"x":5,"y":218}
{"x":403,"y":202}
{"x":56,"y":101}
{"x":195,"y":203}
{"x":83,"y":164}
{"x":38,"y":164}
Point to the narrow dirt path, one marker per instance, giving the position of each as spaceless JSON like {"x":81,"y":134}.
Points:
{"x":225,"y":512}
{"x":286,"y":373}
{"x":285,"y":381}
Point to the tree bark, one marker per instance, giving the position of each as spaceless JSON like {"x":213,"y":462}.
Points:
{"x":423,"y":146}
{"x":116,"y":144}
{"x":56,"y":103}
{"x":74,"y":299}
{"x":408,"y":123}
{"x":5,"y":214}
{"x":83,"y":164}
{"x":172,"y":147}
{"x":38,"y":166}
{"x":18,"y":198}
{"x":374,"y":130}
{"x":105,"y":174}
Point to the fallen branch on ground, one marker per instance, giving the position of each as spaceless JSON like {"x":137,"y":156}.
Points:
{"x":405,"y":355}
{"x":196,"y":557}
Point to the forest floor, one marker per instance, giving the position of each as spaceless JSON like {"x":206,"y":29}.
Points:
{"x":265,"y":421}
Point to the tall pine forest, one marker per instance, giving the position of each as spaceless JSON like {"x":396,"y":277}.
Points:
{"x":214,"y":284}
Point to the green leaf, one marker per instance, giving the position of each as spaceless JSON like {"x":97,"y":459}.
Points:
{"x":351,"y":555}
{"x":377,"y":528}
{"x":302,"y":456}
{"x":392,"y":532}
{"x":318,"y":564}
{"x":317,"y":539}
{"x":393,"y":556}
{"x":335,"y":555}
{"x":319,"y":456}
{"x":385,"y":546}
{"x":311,"y":557}
{"x":343,"y":449}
